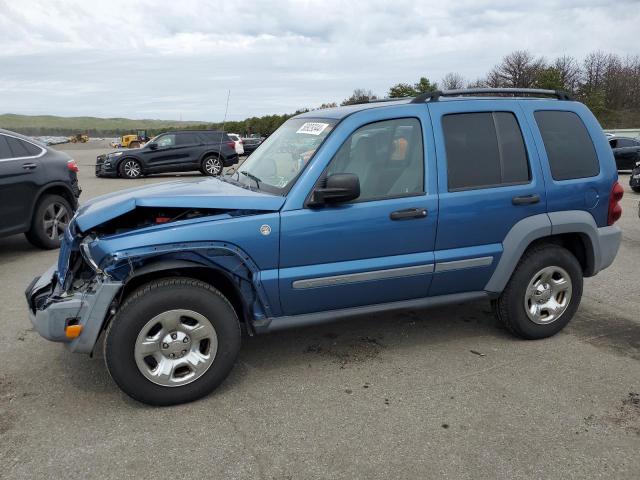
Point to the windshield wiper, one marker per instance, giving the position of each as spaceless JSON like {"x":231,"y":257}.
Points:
{"x":252,"y":177}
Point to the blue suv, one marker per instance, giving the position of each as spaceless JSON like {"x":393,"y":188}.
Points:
{"x":505,"y":195}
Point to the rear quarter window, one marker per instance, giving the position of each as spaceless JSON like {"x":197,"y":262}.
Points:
{"x":568,"y":144}
{"x":20,"y":148}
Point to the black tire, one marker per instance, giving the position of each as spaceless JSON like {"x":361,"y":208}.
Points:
{"x":130,"y":168}
{"x":50,"y":218}
{"x":510,"y":306}
{"x":146,"y":303}
{"x":636,"y":189}
{"x":212,"y":165}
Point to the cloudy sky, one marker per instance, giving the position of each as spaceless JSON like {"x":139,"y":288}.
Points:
{"x":177,"y":59}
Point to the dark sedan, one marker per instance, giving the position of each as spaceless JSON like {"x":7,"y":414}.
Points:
{"x":251,"y":143}
{"x":626,"y":152}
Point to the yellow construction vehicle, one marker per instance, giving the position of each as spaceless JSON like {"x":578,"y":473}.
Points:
{"x":79,"y":138}
{"x":132,"y":141}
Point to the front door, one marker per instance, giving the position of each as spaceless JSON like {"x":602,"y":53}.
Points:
{"x":376,"y":249}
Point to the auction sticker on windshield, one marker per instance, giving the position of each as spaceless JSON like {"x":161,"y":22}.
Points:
{"x":312,"y":128}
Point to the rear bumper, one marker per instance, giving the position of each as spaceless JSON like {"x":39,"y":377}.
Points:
{"x":231,"y":160}
{"x":51,"y":310}
{"x":609,"y":239}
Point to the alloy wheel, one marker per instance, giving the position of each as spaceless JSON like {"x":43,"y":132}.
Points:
{"x":132,"y":169}
{"x":56,"y":219}
{"x":213,"y":166}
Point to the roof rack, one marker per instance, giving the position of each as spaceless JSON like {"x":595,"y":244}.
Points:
{"x":537,"y":92}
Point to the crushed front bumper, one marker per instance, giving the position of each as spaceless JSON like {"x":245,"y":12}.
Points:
{"x":51,"y":310}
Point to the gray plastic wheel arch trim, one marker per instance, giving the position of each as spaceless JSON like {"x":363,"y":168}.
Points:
{"x":605,"y":241}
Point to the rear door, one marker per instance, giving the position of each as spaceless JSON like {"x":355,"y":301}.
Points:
{"x":21,"y":174}
{"x":378,"y":248}
{"x":489,"y":178}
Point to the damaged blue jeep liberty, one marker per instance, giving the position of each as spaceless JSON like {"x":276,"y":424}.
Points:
{"x":505,"y":195}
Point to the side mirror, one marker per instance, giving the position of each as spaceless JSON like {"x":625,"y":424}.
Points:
{"x":339,"y":187}
{"x":153,"y":146}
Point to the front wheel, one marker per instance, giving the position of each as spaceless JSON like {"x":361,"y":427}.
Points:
{"x":130,"y":168}
{"x":212,"y":166}
{"x":173,"y":341}
{"x":543,"y":293}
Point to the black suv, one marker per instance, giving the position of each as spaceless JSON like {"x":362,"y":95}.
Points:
{"x":38,"y":190}
{"x":206,"y":151}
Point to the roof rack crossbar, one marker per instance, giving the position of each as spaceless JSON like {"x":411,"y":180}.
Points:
{"x":539,"y":92}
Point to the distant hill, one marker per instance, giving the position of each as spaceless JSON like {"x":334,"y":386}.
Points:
{"x":94,"y":126}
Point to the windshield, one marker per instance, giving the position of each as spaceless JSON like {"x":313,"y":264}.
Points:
{"x":281,"y":157}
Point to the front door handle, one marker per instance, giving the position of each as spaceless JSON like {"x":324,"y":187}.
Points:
{"x":29,"y":166}
{"x":526,"y":199}
{"x":408,"y":214}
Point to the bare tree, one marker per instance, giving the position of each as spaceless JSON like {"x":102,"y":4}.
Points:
{"x":519,"y":69}
{"x":569,"y":72}
{"x":452,"y":81}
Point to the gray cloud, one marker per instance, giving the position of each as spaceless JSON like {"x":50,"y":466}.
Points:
{"x":161,"y":60}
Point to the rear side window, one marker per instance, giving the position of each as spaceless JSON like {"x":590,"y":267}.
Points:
{"x":187,"y":139}
{"x":20,"y":148}
{"x":5,"y":152}
{"x":484,"y":149}
{"x":568,"y":144}
{"x":211,"y":137}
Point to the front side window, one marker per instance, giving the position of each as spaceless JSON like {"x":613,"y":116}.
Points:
{"x":166,"y":141}
{"x":484,"y":149}
{"x":280,"y":158}
{"x":387,"y":157}
{"x":569,"y":147}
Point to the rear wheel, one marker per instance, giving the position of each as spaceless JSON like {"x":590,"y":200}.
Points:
{"x":543,"y":293}
{"x":50,"y":219}
{"x":212,"y":165}
{"x":173,"y":341}
{"x":130,"y":168}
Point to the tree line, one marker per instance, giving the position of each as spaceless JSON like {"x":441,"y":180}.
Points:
{"x":606,"y":82}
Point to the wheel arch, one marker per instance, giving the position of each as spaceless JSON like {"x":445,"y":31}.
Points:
{"x":216,"y":277}
{"x":54,"y":188}
{"x":128,"y":157}
{"x":574,"y":230}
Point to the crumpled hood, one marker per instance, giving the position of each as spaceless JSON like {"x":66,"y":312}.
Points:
{"x":204,"y":192}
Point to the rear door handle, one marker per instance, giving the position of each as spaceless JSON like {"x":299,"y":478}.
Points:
{"x":408,"y":214}
{"x":29,"y":166}
{"x":526,"y":199}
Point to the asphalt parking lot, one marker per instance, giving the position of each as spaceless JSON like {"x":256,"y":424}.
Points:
{"x":441,"y":393}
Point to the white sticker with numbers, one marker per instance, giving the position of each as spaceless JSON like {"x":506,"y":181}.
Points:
{"x":312,"y":128}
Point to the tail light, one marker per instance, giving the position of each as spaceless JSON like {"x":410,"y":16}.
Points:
{"x":615,"y":210}
{"x":231,"y":144}
{"x":73,"y":166}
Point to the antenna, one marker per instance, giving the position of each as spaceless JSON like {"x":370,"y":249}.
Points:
{"x":224,"y":120}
